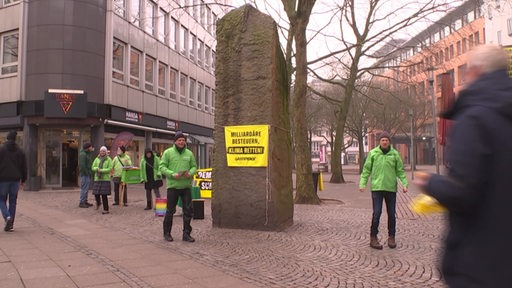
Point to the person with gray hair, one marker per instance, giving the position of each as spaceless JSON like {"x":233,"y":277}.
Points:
{"x":476,"y":189}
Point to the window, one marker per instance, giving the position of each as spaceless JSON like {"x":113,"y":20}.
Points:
{"x":207,"y":98}
{"x":194,"y":9}
{"x":209,"y":24}
{"x":192,"y":47}
{"x":471,"y":41}
{"x":192,"y":92}
{"x":200,"y":53}
{"x":498,"y":36}
{"x":461,"y":73}
{"x":149,"y":17}
{"x":459,"y":48}
{"x":183,"y":88}
{"x":477,"y":38}
{"x":184,"y":41}
{"x":119,"y":7}
{"x":162,"y":72}
{"x":8,"y":2}
{"x":135,"y":67}
{"x":163,"y":27}
{"x":200,"y":91}
{"x":135,"y":12}
{"x":9,"y":49}
{"x":446,"y":54}
{"x":173,"y":33}
{"x":213,"y":102}
{"x":509,"y":26}
{"x":213,"y":61}
{"x":149,"y":69}
{"x":207,"y":58}
{"x":202,"y":14}
{"x":173,"y":83}
{"x":214,"y":24}
{"x":464,"y":45}
{"x":118,"y":60}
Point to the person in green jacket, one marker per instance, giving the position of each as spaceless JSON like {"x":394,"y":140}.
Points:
{"x":178,"y":165}
{"x":149,"y":174}
{"x":384,"y":166}
{"x":120,"y":161}
{"x":101,"y":188}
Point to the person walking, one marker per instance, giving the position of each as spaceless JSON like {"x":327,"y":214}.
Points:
{"x":120,"y":161}
{"x":476,"y":187}
{"x":384,"y":166}
{"x":84,"y":167}
{"x":101,"y":168}
{"x":149,"y":174}
{"x":13,"y":174}
{"x":178,"y":165}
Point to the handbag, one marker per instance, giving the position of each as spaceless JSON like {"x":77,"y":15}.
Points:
{"x":159,"y":183}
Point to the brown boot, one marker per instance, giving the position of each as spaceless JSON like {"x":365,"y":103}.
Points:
{"x":391,"y":242}
{"x":374,"y":243}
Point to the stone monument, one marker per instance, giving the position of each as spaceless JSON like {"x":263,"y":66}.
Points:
{"x":251,"y":89}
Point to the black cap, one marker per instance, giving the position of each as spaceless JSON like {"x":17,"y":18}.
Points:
{"x":178,"y":135}
{"x":384,"y":134}
{"x":11,"y":135}
{"x":86,"y":145}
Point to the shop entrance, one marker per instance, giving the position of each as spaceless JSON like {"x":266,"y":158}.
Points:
{"x":61,"y":148}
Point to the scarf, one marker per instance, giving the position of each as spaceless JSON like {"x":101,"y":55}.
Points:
{"x":100,"y":166}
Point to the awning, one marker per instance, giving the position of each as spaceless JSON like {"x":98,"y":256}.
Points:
{"x":202,"y":139}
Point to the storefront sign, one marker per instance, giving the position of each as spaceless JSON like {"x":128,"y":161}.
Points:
{"x":172,"y":125}
{"x":247,"y":146}
{"x":59,"y":103}
{"x":135,"y":117}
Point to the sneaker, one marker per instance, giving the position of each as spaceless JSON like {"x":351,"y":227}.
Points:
{"x":105,"y":212}
{"x":115,"y":204}
{"x":147,"y":208}
{"x":168,"y":238}
{"x":8,"y":224}
{"x":83,"y":205}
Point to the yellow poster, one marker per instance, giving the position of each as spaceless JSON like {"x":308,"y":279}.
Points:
{"x":203,"y":179}
{"x":247,"y":146}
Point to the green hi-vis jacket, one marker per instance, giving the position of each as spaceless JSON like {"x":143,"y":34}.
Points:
{"x":120,"y":161}
{"x":102,"y":174}
{"x":173,"y":163}
{"x":156,"y":167}
{"x":383,"y":169}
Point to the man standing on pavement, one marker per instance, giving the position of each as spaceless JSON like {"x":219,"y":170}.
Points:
{"x":384,"y":166}
{"x":84,"y":167}
{"x":13,"y":174}
{"x":476,"y":190}
{"x":178,"y":165}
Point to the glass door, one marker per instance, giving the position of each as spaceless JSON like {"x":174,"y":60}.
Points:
{"x":53,"y":152}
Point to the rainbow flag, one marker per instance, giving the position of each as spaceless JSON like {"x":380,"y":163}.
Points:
{"x":160,"y":207}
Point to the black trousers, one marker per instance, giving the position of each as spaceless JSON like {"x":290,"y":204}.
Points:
{"x":188,"y":210}
{"x":103,"y":200}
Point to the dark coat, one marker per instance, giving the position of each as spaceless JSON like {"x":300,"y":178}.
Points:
{"x":477,"y":190}
{"x":13,"y":163}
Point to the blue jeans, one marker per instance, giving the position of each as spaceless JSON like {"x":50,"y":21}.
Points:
{"x":85,"y":182}
{"x":9,"y":190}
{"x":390,"y":199}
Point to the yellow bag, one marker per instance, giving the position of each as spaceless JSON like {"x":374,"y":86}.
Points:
{"x":424,"y":204}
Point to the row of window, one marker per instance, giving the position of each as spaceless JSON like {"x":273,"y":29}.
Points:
{"x":9,"y":49}
{"x":444,"y":55}
{"x":159,"y":23}
{"x":159,"y":78}
{"x":10,"y":2}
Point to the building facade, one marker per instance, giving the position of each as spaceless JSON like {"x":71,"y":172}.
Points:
{"x":439,"y":50}
{"x":89,"y":71}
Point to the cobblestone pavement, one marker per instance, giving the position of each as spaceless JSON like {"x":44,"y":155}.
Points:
{"x":327,"y":246}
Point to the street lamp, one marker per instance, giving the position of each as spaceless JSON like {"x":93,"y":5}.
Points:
{"x":411,"y":156}
{"x":430,"y":72}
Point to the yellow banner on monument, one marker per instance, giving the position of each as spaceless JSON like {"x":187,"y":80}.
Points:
{"x":247,"y":146}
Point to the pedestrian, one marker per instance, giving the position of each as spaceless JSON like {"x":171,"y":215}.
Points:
{"x":178,"y":165}
{"x":476,"y":188}
{"x":122,"y":160}
{"x":101,"y":168}
{"x":384,"y":166}
{"x":84,"y":167}
{"x":149,"y":174}
{"x":13,"y":174}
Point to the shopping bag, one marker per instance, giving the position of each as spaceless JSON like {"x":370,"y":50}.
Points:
{"x":425,"y":204}
{"x":160,"y":207}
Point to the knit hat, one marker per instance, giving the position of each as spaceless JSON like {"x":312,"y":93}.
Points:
{"x":178,"y":135}
{"x":123,"y":148}
{"x":86,"y":145}
{"x":103,"y":148}
{"x":384,"y":134}
{"x":11,"y":135}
